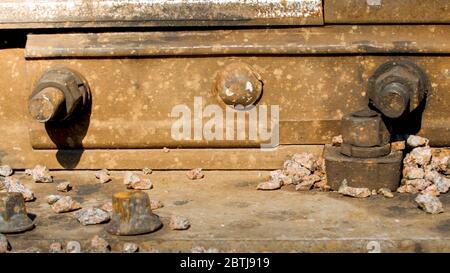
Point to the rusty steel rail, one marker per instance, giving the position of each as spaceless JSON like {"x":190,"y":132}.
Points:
{"x":134,"y":13}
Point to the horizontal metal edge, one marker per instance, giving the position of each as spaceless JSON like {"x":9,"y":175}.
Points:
{"x":160,"y":159}
{"x":386,"y":11}
{"x":112,"y":13}
{"x":425,"y":39}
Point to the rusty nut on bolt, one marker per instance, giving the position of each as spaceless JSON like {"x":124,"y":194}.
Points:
{"x":238,"y":84}
{"x":364,"y":134}
{"x":397,"y":88}
{"x":58,"y":95}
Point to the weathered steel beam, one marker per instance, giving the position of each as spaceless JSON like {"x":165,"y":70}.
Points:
{"x":136,"y":13}
{"x":386,"y":11}
{"x":433,"y":39}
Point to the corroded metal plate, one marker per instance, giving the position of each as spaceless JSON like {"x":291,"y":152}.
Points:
{"x":111,"y":13}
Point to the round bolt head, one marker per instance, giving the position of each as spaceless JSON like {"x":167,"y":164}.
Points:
{"x":394,"y":99}
{"x":44,"y":106}
{"x":238,"y":84}
{"x":13,"y":214}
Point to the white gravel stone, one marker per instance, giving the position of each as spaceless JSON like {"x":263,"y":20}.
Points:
{"x":147,"y":171}
{"x":306,"y":160}
{"x":52,"y":199}
{"x":41,"y":174}
{"x":270,"y":185}
{"x":130,"y":248}
{"x":103,"y":176}
{"x":431,"y":190}
{"x":195,"y":174}
{"x":420,"y":155}
{"x":56,"y":248}
{"x":337,"y":140}
{"x":344,"y":189}
{"x":12,"y":184}
{"x":156,"y":204}
{"x":410,"y":172}
{"x":64,"y":187}
{"x":419,"y":184}
{"x":386,"y":192}
{"x":66,"y":204}
{"x":6,"y":170}
{"x":134,"y":181}
{"x":100,"y":245}
{"x":429,"y":203}
{"x":179,"y":223}
{"x":417,"y":141}
{"x":92,"y":216}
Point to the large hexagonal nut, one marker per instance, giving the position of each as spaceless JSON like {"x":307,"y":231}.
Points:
{"x":58,"y":95}
{"x":398,"y":87}
{"x":364,"y":128}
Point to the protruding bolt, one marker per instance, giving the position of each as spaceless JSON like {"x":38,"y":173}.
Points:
{"x":132,"y":214}
{"x":397,"y":88}
{"x":59,"y":94}
{"x":238,"y":84}
{"x":13,"y":214}
{"x":45,"y":105}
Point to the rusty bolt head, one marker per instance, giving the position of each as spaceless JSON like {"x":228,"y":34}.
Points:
{"x":364,"y":129}
{"x":397,"y":87}
{"x":13,"y":214}
{"x":238,"y":84}
{"x":59,"y":93}
{"x":132,"y":214}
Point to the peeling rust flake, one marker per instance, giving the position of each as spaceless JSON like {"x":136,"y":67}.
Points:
{"x":88,"y":13}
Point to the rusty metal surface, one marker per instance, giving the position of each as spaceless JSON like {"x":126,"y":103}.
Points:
{"x":373,"y":173}
{"x":227,"y":213}
{"x":431,"y":39}
{"x":386,"y":11}
{"x":112,"y":13}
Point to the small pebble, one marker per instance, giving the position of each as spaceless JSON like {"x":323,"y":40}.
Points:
{"x":103,"y":176}
{"x":337,"y":140}
{"x":64,"y":187}
{"x":179,"y":223}
{"x":430,"y":204}
{"x":130,"y":248}
{"x":52,"y":199}
{"x":166,"y":150}
{"x":374,"y":192}
{"x":147,"y":171}
{"x":134,"y":181}
{"x":56,"y":248}
{"x":100,"y":245}
{"x":270,"y":185}
{"x":92,"y":216}
{"x":386,"y":192}
{"x":194,"y":174}
{"x":344,"y":189}
{"x":156,"y":204}
{"x":12,"y":184}
{"x":417,"y":141}
{"x":4,"y":244}
{"x":5,"y":170}
{"x":66,"y":204}
{"x":398,"y":145}
{"x":41,"y":174}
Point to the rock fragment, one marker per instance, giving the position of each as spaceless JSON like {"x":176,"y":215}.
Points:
{"x":270,"y":185}
{"x":130,"y":248}
{"x":308,"y":182}
{"x":306,"y":160}
{"x":107,"y":207}
{"x":12,"y":184}
{"x":156,"y":204}
{"x":431,"y":190}
{"x":64,"y":187}
{"x":194,"y":174}
{"x":418,"y":184}
{"x":92,"y":216}
{"x":99,"y":245}
{"x":337,"y":140}
{"x":429,"y":203}
{"x":386,"y":192}
{"x":41,"y":174}
{"x":134,"y":181}
{"x":52,"y":199}
{"x":420,"y":156}
{"x":417,"y":141}
{"x":398,"y":145}
{"x":4,"y":244}
{"x":65,"y":204}
{"x":56,"y":248}
{"x":6,"y":170}
{"x":344,"y":189}
{"x":103,"y":176}
{"x":179,"y":222}
{"x":411,"y":172}
{"x":441,"y":163}
{"x":407,"y":189}
{"x":147,"y":171}
{"x":322,"y":185}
